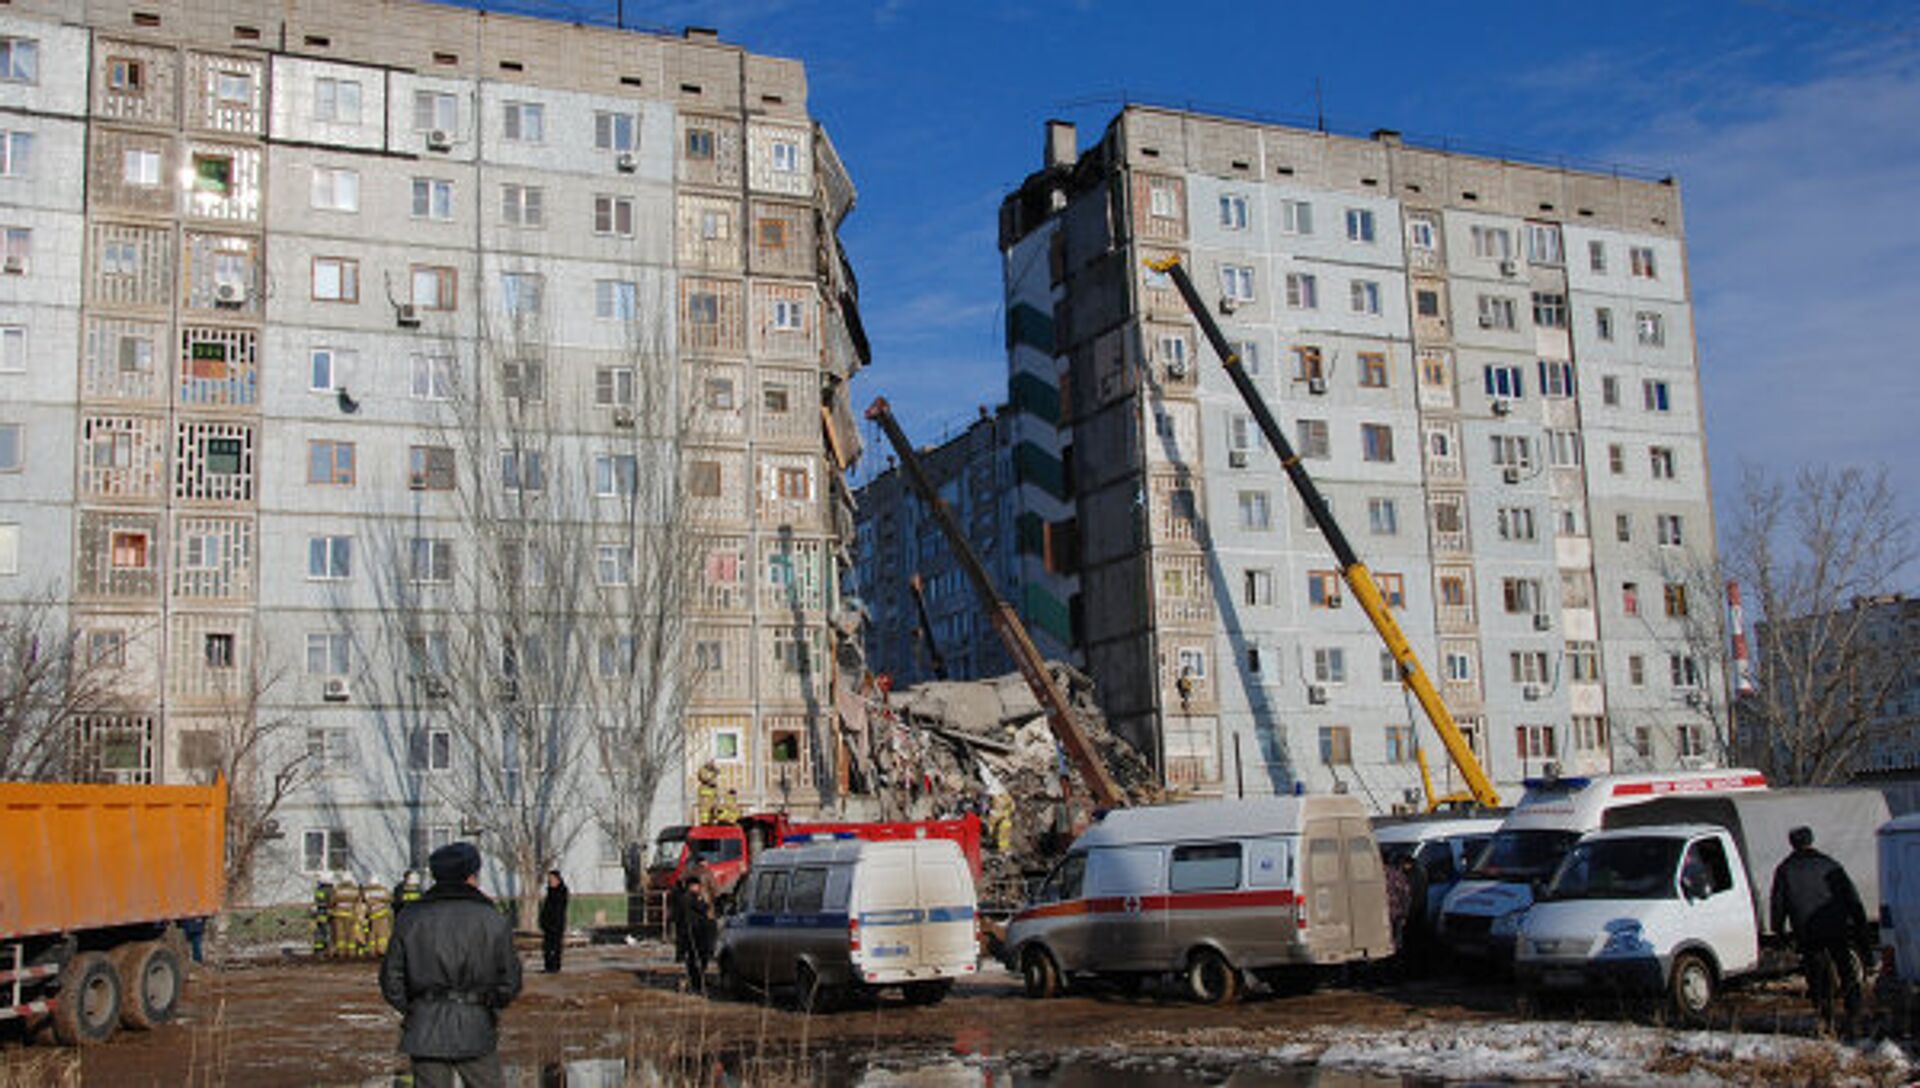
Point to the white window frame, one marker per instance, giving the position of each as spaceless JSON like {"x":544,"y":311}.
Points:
{"x":524,"y":122}
{"x":16,"y":154}
{"x":439,"y":109}
{"x":1236,"y":282}
{"x":335,"y":189}
{"x":613,"y":216}
{"x":785,"y":157}
{"x":430,"y":377}
{"x":1233,"y":211}
{"x":1303,"y":291}
{"x":433,"y":200}
{"x":19,"y":60}
{"x":13,"y":447}
{"x":615,"y":300}
{"x":329,"y":653}
{"x":1365,"y":296}
{"x":1360,"y":226}
{"x":13,"y":349}
{"x":1296,"y":217}
{"x":329,"y":103}
{"x":329,"y":558}
{"x":523,"y":205}
{"x":615,"y":130}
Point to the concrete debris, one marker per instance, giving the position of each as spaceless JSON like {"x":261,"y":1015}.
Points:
{"x":984,"y":746}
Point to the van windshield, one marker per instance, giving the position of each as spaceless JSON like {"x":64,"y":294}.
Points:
{"x":712,"y":850}
{"x":1520,"y":856}
{"x":1635,"y":868}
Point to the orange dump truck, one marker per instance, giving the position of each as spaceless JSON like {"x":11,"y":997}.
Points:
{"x":95,"y":882}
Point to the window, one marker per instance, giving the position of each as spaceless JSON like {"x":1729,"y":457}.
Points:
{"x":19,"y":60}
{"x":1323,"y":589}
{"x":521,"y":292}
{"x":130,"y":550}
{"x":1308,"y":364}
{"x":1383,"y":517}
{"x":1549,"y":310}
{"x":334,"y":189}
{"x":1636,"y":670}
{"x":1512,"y":451}
{"x":1421,"y":235}
{"x":786,"y":157}
{"x":435,"y":110}
{"x":775,"y":399}
{"x":615,"y":474}
{"x":613,"y":385}
{"x":1192,"y":663}
{"x":1359,"y":225}
{"x":613,"y":215}
{"x":1683,"y":670}
{"x":1630,"y":598}
{"x":329,"y":654}
{"x":1652,"y":328}
{"x":1303,"y":291}
{"x":1389,"y":668}
{"x":9,"y":549}
{"x":430,"y":560}
{"x":1426,"y":302}
{"x":329,"y":558}
{"x":16,"y":245}
{"x":1329,"y":665}
{"x":1204,"y":867}
{"x":336,"y":101}
{"x":1597,"y":256}
{"x":323,"y":850}
{"x":1674,"y":597}
{"x":526,"y":122}
{"x":16,"y":156}
{"x":139,"y":166}
{"x":1458,"y":666}
{"x":1519,"y":596}
{"x":1393,"y":588}
{"x":523,"y":205}
{"x":13,"y":349}
{"x":107,"y":649}
{"x":120,"y":258}
{"x":1516,"y":523}
{"x":430,"y":468}
{"x":336,"y":279}
{"x":1373,"y":370}
{"x":1336,"y":746}
{"x":1556,"y":379}
{"x":434,"y":287}
{"x":1660,"y":462}
{"x":1530,"y":667}
{"x":432,"y":199}
{"x":126,"y":76}
{"x":700,"y":144}
{"x":432,"y":376}
{"x":1296,"y":217}
{"x":1641,"y":258}
{"x":1494,"y":242}
{"x":430,"y":750}
{"x":614,"y":131}
{"x":789,"y":315}
{"x":1256,"y":511}
{"x":1236,"y":282}
{"x":233,"y":88}
{"x":1365,"y":296}
{"x":1376,"y":442}
{"x":718,"y":394}
{"x":1603,"y":323}
{"x":523,"y":380}
{"x":1589,"y":732}
{"x":1534,"y":741}
{"x":1610,"y":391}
{"x":1505,"y":382}
{"x":328,"y":369}
{"x":1249,"y":352}
{"x":615,"y":300}
{"x":1311,"y":436}
{"x":1233,"y":212}
{"x":1543,"y":243}
{"x":1496,"y":312}
{"x":1563,"y":449}
{"x":1669,"y":527}
{"x":523,"y":470}
{"x":703,"y":479}
{"x":613,"y":565}
{"x":1257,"y":586}
{"x":1656,"y":395}
{"x":794,"y":483}
{"x":1617,"y":459}
{"x":1623,"y":528}
{"x":330,"y":462}
{"x":216,"y":649}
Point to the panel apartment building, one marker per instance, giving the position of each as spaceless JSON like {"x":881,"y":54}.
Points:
{"x":1489,"y":367}
{"x":253,"y":250}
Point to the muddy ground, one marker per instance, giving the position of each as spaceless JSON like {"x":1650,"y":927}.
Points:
{"x":293,"y":1021}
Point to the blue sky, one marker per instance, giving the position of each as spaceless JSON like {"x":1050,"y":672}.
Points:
{"x":1794,"y":128}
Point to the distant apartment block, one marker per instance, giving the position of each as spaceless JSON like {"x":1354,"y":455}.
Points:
{"x":249,"y":249}
{"x":1489,"y":366}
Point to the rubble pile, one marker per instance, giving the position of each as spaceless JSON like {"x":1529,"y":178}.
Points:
{"x":963,"y":746}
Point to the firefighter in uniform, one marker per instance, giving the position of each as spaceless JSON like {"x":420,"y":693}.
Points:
{"x":707,"y":793}
{"x":407,"y":892}
{"x":1000,"y":822}
{"x":346,"y":903}
{"x":730,"y":811}
{"x":322,"y":912}
{"x":379,"y":917}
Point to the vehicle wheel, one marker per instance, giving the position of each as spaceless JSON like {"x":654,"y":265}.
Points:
{"x":151,"y":978}
{"x":1040,"y":974}
{"x":811,"y":994}
{"x":87,"y":1008}
{"x":1692,"y":989}
{"x":928,"y":993}
{"x":1211,"y":980}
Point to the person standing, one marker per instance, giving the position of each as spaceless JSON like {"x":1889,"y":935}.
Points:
{"x":697,"y":931}
{"x":1815,"y":900}
{"x":449,"y":970}
{"x":553,"y":921}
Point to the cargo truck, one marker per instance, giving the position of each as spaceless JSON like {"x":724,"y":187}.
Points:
{"x":95,"y":882}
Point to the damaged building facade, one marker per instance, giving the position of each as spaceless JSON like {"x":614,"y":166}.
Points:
{"x":252,"y":250}
{"x":1488,"y":366}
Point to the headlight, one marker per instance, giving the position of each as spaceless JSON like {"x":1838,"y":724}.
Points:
{"x":1507,"y":924}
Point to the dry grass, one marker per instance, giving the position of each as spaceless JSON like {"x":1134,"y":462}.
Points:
{"x":39,"y":1067}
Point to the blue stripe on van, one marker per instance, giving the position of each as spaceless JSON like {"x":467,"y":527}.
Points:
{"x":797,"y":921}
{"x":903,"y":917}
{"x":950,"y":914}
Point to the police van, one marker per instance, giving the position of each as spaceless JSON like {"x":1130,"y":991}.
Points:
{"x":1482,"y":915}
{"x":1206,"y":892}
{"x":836,"y":918}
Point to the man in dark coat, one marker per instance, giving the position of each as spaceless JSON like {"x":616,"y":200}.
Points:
{"x":553,"y":921}
{"x":1815,"y":900}
{"x":449,"y":969}
{"x":698,"y":929}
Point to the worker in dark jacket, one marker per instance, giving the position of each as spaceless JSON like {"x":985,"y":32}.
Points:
{"x":1814,"y":899}
{"x":553,"y":920}
{"x":450,"y":969}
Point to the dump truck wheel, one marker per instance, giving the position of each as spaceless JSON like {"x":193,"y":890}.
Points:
{"x":1692,"y":989}
{"x":151,"y":978}
{"x":1040,"y":974}
{"x":811,"y":994}
{"x":87,"y":1009}
{"x":927,"y":993}
{"x":1211,"y":980}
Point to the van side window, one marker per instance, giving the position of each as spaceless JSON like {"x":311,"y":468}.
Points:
{"x":770,"y":892}
{"x":1269,"y":864}
{"x":839,"y":882}
{"x":1124,"y":870}
{"x":1363,"y":859}
{"x":1707,"y":860}
{"x":808,"y":891}
{"x":1064,"y":882}
{"x":1437,"y":859}
{"x":1323,"y":860}
{"x":1205,"y":867}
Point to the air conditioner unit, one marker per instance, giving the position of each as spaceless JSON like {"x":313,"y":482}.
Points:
{"x":1177,"y":369}
{"x":229,"y":294}
{"x":417,"y":481}
{"x":433,"y":687}
{"x":1509,"y":267}
{"x":1510,"y":475}
{"x":14,"y":265}
{"x":626,"y":162}
{"x":1542,"y":621}
{"x":1316,"y":695}
{"x":1237,"y":458}
{"x":1228,"y":304}
{"x":1502,"y":407}
{"x":406,"y":315}
{"x":623,"y":417}
{"x":1317,"y":386}
{"x":1530,"y":692}
{"x":1333,"y":600}
{"x":336,"y":690}
{"x":1694,"y":699}
{"x":439,"y":140}
{"x":1486,"y":321}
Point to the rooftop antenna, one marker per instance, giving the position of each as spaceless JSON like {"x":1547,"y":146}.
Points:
{"x":1319,"y":107}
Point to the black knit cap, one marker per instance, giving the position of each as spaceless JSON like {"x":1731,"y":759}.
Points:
{"x":454,"y":862}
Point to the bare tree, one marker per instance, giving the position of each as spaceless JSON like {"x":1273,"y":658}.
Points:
{"x":48,"y":682}
{"x":1811,"y":554}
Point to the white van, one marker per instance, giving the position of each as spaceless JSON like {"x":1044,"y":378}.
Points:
{"x":833,"y":919}
{"x":1482,"y":914}
{"x":1279,"y":886}
{"x":1444,"y":848}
